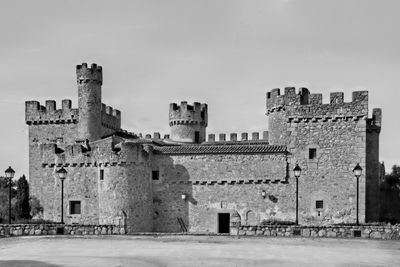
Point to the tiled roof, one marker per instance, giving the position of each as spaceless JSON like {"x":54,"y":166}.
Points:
{"x":220,"y":149}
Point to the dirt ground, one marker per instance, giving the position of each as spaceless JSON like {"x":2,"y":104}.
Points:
{"x":195,"y":251}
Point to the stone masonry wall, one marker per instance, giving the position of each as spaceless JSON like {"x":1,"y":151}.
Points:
{"x":338,"y":133}
{"x":122,"y":194}
{"x":219,"y":183}
{"x":339,"y":145}
{"x":54,"y":229}
{"x":362,"y":231}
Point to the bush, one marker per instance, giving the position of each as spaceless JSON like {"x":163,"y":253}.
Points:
{"x":34,"y":221}
{"x":276,"y":222}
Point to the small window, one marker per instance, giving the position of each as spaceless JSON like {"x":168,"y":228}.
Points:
{"x":74,"y":207}
{"x":197,"y":137}
{"x":155,"y":175}
{"x":312,"y":153}
{"x":319,"y":204}
{"x":101,"y":175}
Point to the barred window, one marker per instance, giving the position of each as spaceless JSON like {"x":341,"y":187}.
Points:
{"x":319,"y":204}
{"x":155,"y":175}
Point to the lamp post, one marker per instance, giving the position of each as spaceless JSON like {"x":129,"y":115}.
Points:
{"x":62,"y":174}
{"x":10,"y":175}
{"x":357,"y":172}
{"x":297,"y":172}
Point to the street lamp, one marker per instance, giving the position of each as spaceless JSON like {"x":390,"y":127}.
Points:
{"x":10,"y":175}
{"x":297,"y":173}
{"x":357,"y":172}
{"x":62,"y":174}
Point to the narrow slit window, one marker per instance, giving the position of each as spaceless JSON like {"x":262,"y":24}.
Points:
{"x":197,"y":137}
{"x":312,"y":153}
{"x":101,"y":175}
{"x":155,"y":175}
{"x":319,"y":204}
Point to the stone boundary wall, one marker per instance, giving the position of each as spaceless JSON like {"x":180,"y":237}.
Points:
{"x":58,"y":229}
{"x":362,"y":231}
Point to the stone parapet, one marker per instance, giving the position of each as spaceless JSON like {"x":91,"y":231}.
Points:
{"x":335,"y":231}
{"x":59,"y":229}
{"x":35,"y":113}
{"x":305,"y":104}
{"x":110,"y":118}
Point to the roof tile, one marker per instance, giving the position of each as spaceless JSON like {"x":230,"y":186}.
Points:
{"x":218,"y":149}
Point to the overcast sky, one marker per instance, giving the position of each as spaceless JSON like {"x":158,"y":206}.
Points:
{"x":227,"y":54}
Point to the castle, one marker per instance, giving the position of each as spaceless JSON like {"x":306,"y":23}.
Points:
{"x":188,"y":182}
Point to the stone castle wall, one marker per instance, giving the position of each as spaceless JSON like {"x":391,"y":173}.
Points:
{"x":109,"y":200}
{"x":219,"y":183}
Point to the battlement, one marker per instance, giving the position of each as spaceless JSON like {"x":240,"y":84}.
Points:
{"x":110,"y":117}
{"x":112,"y":150}
{"x":244,"y":137}
{"x":304,"y":104}
{"x":84,"y":75}
{"x":185,"y":114}
{"x":35,"y":113}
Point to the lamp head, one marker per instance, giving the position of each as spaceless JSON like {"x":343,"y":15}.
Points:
{"x":357,"y":170}
{"x":297,"y":171}
{"x":62,"y":173}
{"x":183,"y":196}
{"x":10,"y":173}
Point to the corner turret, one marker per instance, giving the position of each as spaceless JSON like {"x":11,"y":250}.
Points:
{"x":188,"y":122}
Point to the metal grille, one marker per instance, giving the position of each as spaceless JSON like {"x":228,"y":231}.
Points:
{"x":319,"y":204}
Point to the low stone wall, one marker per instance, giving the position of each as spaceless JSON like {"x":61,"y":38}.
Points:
{"x":363,"y":231}
{"x":59,"y":229}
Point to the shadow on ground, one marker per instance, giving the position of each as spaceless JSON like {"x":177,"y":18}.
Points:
{"x":21,"y":263}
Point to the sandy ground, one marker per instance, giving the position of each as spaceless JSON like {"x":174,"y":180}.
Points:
{"x":195,"y":251}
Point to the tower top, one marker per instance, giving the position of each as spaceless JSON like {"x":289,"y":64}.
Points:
{"x":188,"y":114}
{"x":85,"y":74}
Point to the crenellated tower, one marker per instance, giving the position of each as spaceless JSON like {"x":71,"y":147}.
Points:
{"x":89,"y":80}
{"x":188,"y":122}
{"x":321,"y":137}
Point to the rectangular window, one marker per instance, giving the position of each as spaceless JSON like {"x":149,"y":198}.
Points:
{"x":101,"y":175}
{"x":319,"y":204}
{"x":197,"y":137}
{"x":312,"y":153}
{"x":74,"y":207}
{"x":155,"y":175}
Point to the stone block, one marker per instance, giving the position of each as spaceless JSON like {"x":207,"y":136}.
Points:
{"x":331,"y":233}
{"x":322,"y":233}
{"x":259,"y":232}
{"x":305,"y":232}
{"x":249,"y":232}
{"x":314,"y":233}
